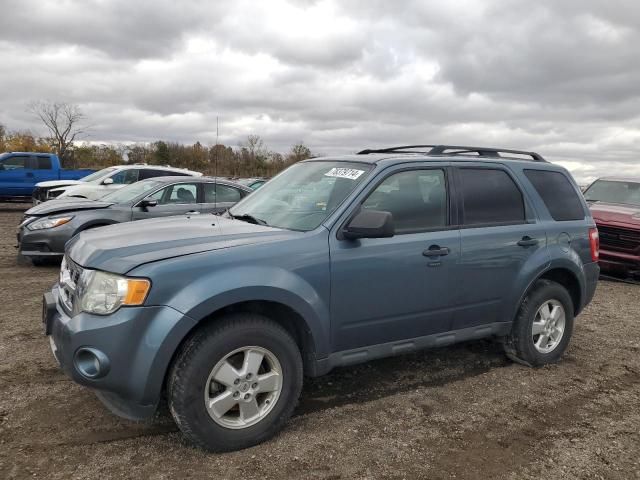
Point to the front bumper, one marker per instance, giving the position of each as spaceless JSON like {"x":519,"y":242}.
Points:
{"x":49,"y":242}
{"x":619,"y":263}
{"x":134,"y":347}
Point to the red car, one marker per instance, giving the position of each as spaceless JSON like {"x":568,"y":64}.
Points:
{"x":615,"y":206}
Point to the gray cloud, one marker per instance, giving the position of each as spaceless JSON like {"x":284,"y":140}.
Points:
{"x":558,"y":77}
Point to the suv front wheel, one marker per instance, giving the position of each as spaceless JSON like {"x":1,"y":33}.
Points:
{"x":542,"y":329}
{"x":235,"y":382}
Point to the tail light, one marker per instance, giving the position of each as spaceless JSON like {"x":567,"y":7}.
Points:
{"x":594,"y":243}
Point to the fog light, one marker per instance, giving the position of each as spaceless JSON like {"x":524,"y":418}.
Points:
{"x":91,"y":363}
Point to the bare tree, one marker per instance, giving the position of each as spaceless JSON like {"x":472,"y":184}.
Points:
{"x":63,"y":122}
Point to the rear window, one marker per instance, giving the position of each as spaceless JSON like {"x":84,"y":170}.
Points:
{"x":557,"y":193}
{"x":490,"y":197}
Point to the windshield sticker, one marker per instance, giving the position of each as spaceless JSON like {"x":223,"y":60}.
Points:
{"x":350,"y":173}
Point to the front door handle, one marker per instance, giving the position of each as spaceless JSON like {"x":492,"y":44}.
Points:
{"x":528,"y":241}
{"x":435,"y":251}
{"x":193,"y":212}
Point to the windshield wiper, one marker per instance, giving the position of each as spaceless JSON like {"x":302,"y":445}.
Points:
{"x":249,"y":218}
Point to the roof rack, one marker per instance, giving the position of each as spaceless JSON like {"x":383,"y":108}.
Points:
{"x":456,"y":150}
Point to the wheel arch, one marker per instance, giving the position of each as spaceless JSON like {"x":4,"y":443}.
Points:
{"x":564,"y":276}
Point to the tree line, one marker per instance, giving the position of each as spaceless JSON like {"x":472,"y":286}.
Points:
{"x":252,"y":158}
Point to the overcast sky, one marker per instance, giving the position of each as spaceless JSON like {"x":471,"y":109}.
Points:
{"x":558,"y":77}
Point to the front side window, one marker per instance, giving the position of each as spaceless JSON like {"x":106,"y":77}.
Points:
{"x":13,"y":163}
{"x":610,"y":191}
{"x":490,"y":197}
{"x":98,"y":176}
{"x":417,"y":200}
{"x":215,"y":192}
{"x":179,"y":194}
{"x":302,"y":196}
{"x":125,"y":177}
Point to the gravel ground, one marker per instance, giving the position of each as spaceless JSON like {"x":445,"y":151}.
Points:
{"x":461,"y":412}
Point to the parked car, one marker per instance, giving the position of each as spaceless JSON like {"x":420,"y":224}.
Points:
{"x":395,"y":250}
{"x":253,"y":183}
{"x":21,"y":171}
{"x":104,"y":181}
{"x":47,"y":227}
{"x":615,"y":206}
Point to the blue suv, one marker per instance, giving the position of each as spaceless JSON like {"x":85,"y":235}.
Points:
{"x":335,"y":261}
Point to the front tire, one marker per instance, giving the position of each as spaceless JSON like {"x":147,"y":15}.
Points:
{"x":542,"y":329}
{"x":235,"y":382}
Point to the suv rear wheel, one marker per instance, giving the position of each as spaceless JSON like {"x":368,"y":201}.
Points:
{"x":235,"y":382}
{"x":543,"y":326}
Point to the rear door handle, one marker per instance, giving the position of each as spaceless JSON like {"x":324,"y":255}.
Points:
{"x":193,"y":212}
{"x":435,"y":251}
{"x":527,"y":242}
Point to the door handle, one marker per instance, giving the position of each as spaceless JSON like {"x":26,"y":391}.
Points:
{"x":193,"y":212}
{"x":435,"y":251}
{"x":527,"y":241}
{"x":30,"y":174}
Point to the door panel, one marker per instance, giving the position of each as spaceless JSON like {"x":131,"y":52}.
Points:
{"x":13,"y":176}
{"x":385,"y":289}
{"x":490,"y":264}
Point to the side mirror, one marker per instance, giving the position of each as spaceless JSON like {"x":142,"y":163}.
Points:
{"x":144,"y":204}
{"x":369,"y":224}
{"x":107,"y":181}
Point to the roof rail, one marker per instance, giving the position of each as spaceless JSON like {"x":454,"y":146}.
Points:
{"x":456,"y":150}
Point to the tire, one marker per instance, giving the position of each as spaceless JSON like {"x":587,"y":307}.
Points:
{"x":544,"y":302}
{"x":191,"y":386}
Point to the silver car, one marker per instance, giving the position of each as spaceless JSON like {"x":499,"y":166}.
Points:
{"x":46,"y":228}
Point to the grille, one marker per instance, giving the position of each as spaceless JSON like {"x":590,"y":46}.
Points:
{"x":619,"y":238}
{"x":69,"y":277}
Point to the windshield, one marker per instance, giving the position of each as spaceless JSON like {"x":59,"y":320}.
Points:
{"x":131,"y":192}
{"x":304,"y":195}
{"x":609,"y":191}
{"x":98,"y":175}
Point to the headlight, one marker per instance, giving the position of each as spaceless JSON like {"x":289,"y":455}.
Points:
{"x":103,"y":293}
{"x":49,"y":223}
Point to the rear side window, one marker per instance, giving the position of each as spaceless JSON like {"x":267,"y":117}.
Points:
{"x":558,"y":194}
{"x":490,"y":197}
{"x":43,"y":163}
{"x":214,"y":193}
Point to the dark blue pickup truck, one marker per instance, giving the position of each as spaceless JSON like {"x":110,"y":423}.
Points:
{"x":20,"y":171}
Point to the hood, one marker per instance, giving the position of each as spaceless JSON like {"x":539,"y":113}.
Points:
{"x":616,"y":214}
{"x":120,"y":248}
{"x":65,"y":205}
{"x":57,"y":183}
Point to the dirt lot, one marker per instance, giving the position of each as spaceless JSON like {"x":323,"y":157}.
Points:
{"x":462,"y":412}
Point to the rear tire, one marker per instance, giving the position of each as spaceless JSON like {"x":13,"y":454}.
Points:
{"x":212,"y":384}
{"x":542,"y":329}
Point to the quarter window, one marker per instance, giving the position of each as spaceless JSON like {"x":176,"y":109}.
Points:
{"x":557,"y":193}
{"x":490,"y":197}
{"x":417,"y":199}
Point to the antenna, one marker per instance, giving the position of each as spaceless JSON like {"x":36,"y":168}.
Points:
{"x":215,"y":171}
